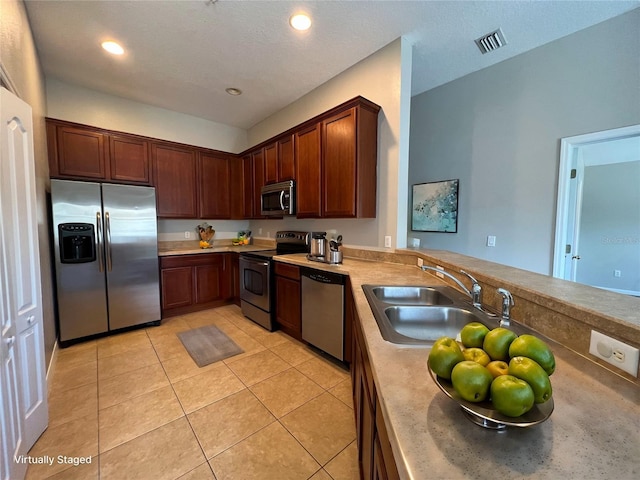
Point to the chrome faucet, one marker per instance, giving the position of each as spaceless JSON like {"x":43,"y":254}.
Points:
{"x":507,"y":303}
{"x":476,"y":290}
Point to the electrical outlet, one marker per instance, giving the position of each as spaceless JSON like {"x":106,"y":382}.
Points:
{"x":387,"y":241}
{"x":617,"y":273}
{"x":491,"y":241}
{"x":259,"y":231}
{"x":415,"y":243}
{"x":420,"y":262}
{"x":612,"y":351}
{"x":187,"y":234}
{"x":439,"y":274}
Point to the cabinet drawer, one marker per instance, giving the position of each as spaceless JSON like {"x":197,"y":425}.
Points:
{"x":192,"y":260}
{"x":289,"y":271}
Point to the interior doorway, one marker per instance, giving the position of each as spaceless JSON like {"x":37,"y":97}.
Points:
{"x":598,"y":212}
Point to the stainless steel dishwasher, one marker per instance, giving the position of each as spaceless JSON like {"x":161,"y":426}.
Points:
{"x":323,"y":310}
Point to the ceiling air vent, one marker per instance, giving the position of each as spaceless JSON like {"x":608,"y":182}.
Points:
{"x":491,"y":41}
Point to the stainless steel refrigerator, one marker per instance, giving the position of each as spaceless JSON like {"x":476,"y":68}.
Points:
{"x":106,"y":254}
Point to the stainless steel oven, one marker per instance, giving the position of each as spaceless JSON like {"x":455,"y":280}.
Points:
{"x":255,"y":289}
{"x":256,"y":277}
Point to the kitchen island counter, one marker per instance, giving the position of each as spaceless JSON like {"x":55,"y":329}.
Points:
{"x":592,"y":433}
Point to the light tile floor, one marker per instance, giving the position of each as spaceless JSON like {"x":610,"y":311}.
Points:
{"x":138,"y":405}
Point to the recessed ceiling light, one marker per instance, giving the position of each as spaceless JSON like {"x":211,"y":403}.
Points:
{"x":233,"y":91}
{"x":300,"y":21}
{"x":113,"y":47}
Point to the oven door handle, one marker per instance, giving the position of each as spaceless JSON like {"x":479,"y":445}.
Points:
{"x":282,"y":200}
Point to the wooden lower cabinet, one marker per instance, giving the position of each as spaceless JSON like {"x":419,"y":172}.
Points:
{"x":189,"y":283}
{"x":288,"y":307}
{"x":375,"y":457}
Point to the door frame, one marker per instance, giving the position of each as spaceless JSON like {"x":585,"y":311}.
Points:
{"x":570,"y":199}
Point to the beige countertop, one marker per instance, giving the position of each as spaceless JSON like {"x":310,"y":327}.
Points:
{"x":192,"y":247}
{"x":592,"y":433}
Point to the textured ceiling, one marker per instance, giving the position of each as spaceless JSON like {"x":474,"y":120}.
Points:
{"x":181,"y":55}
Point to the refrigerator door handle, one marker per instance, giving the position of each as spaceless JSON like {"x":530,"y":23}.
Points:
{"x":108,"y":241}
{"x":99,"y":239}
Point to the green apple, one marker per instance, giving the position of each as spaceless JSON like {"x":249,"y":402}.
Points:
{"x":472,"y":334}
{"x":471,"y":380}
{"x":511,"y":396}
{"x":444,"y":355}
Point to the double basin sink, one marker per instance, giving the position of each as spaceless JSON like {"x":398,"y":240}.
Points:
{"x":409,"y":315}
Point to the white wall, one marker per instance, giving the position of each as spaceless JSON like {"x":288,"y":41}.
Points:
{"x":81,"y":105}
{"x":380,"y":79}
{"x":498,"y":130}
{"x":19,"y":61}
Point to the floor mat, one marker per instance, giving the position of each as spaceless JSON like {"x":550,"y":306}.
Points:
{"x":208,"y":344}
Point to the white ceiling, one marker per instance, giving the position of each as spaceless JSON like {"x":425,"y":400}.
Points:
{"x":182,"y":54}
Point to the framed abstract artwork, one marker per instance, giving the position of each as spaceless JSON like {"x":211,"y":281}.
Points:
{"x":435,"y":207}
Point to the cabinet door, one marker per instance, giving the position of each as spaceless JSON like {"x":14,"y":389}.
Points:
{"x":241,"y":195}
{"x":307,"y":148}
{"x":177,"y":287}
{"x":286,"y":159}
{"x":339,"y":173}
{"x":129,"y":159}
{"x":214,"y":182}
{"x":288,"y":306}
{"x":271,"y":163}
{"x":174,"y":172}
{"x":81,"y":153}
{"x":208,"y":287}
{"x":257,"y":159}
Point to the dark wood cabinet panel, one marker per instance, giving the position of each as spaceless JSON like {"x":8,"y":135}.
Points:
{"x":257,"y":161}
{"x":241,"y":188}
{"x":375,"y":457}
{"x":308,"y":184}
{"x":288,"y":307}
{"x":176,"y":287}
{"x":195,"y":282}
{"x":129,"y":159}
{"x":234,"y":278}
{"x":81,"y":153}
{"x":286,"y":159}
{"x":214,"y":186}
{"x":339,"y":165}
{"x":271,"y":163}
{"x":209,"y":283}
{"x":174,"y":175}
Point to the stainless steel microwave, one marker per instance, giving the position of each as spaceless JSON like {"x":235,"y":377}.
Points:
{"x":278,"y":199}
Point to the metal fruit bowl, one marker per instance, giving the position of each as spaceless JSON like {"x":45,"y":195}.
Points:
{"x":483,"y":413}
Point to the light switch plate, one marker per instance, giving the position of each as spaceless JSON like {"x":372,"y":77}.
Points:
{"x":613,"y":351}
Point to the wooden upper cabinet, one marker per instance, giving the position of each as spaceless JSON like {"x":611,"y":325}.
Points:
{"x":286,"y":159}
{"x":257,"y":160}
{"x":349,"y":162}
{"x":129,"y":159}
{"x":81,"y":153}
{"x":241,"y":187}
{"x":270,"y":153}
{"x":339,"y":165}
{"x":214,"y":186}
{"x":308,"y":164}
{"x":88,"y":153}
{"x":175,"y":174}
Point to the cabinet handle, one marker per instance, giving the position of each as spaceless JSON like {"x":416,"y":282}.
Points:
{"x":10,"y":341}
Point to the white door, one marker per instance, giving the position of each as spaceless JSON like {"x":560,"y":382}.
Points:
{"x":22,"y":332}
